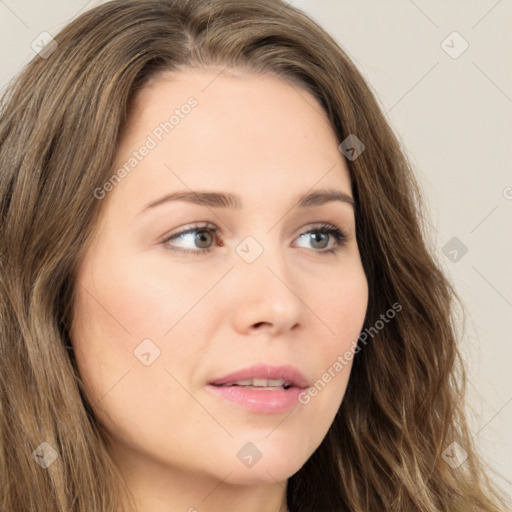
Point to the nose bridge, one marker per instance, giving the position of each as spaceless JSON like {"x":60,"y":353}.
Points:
{"x":264,"y":256}
{"x":264,"y":252}
{"x":261,"y":241}
{"x":266,"y":292}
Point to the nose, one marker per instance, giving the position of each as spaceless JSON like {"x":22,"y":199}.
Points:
{"x":267,"y":295}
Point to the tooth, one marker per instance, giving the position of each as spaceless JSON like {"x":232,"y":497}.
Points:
{"x":261,"y":383}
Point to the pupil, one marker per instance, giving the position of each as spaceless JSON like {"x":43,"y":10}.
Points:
{"x":317,"y":237}
{"x":201,"y":239}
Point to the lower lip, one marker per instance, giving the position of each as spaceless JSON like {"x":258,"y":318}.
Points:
{"x":260,"y":400}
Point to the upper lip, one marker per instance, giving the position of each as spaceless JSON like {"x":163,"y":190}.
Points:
{"x":289,"y":374}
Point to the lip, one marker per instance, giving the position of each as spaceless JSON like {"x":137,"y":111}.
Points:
{"x":288,"y":373}
{"x":262,"y":400}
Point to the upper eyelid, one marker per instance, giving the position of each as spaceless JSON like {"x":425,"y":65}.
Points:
{"x":209,"y":226}
{"x":192,"y":227}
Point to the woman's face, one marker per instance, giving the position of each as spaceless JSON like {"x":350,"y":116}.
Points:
{"x":161,"y":319}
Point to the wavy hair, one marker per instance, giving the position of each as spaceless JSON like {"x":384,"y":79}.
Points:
{"x":60,"y":124}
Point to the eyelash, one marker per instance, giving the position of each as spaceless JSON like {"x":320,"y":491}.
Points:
{"x":339,"y":236}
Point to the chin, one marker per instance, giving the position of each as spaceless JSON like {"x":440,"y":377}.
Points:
{"x":265,"y":462}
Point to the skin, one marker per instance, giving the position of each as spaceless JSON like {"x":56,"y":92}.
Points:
{"x":174,"y":441}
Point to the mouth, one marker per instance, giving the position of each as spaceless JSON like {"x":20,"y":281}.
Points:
{"x":261,"y":388}
{"x":263,"y":384}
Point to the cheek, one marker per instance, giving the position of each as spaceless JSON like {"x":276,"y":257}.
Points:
{"x":127,"y":314}
{"x":153,"y":296}
{"x":128,"y":396}
{"x":133,"y":298}
{"x":342,"y":309}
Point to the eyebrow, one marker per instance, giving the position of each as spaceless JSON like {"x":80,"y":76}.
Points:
{"x":226,"y":200}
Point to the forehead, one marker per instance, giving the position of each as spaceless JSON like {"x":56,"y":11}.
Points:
{"x":247,"y":133}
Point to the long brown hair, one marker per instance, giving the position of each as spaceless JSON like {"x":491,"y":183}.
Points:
{"x":60,"y":124}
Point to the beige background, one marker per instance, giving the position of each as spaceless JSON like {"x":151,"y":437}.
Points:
{"x":454,"y":116}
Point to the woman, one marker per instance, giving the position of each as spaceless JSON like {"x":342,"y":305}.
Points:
{"x":302,"y":357}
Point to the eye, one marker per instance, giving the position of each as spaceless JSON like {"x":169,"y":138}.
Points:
{"x":320,"y":234}
{"x":202,"y":236}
